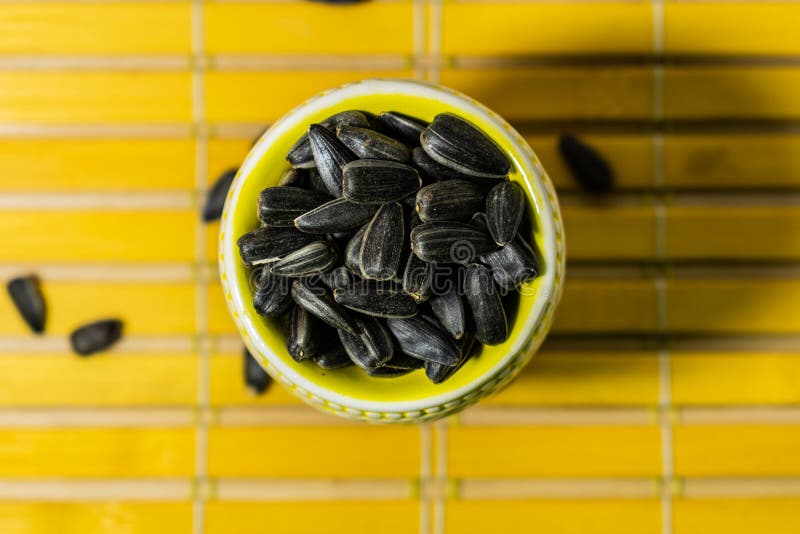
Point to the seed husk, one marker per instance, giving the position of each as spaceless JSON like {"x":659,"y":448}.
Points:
{"x":449,"y":309}
{"x":281,"y":205}
{"x":318,"y":301}
{"x":376,"y":299}
{"x":255,"y":377}
{"x":491,"y":327}
{"x":588,"y":167}
{"x":382,"y":244}
{"x":373,"y":181}
{"x":450,"y":242}
{"x":338,"y":277}
{"x":404,"y":127}
{"x":330,"y":156}
{"x":27,"y":297}
{"x":268,"y":244}
{"x":333,"y":356}
{"x":367,"y":143}
{"x":460,"y":145}
{"x":352,"y":252}
{"x":273,"y":294}
{"x":418,"y":278}
{"x":215,"y":198}
{"x":513,"y":264}
{"x":301,"y":156}
{"x":95,"y":337}
{"x":313,"y":258}
{"x":505,"y":205}
{"x":422,"y":339}
{"x":438,"y":373}
{"x":370,"y":346}
{"x":449,"y":201}
{"x":300,"y":334}
{"x":294,"y":178}
{"x":338,"y":215}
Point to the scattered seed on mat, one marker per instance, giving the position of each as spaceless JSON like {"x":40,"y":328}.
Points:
{"x":255,"y":377}
{"x":27,"y":297}
{"x":95,"y":337}
{"x":588,"y":167}
{"x":215,"y":199}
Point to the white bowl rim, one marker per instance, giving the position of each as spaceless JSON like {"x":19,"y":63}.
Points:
{"x":546,"y":292}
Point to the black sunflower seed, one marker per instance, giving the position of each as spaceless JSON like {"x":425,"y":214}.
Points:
{"x":27,"y":298}
{"x":273,"y":294}
{"x":255,"y":377}
{"x":438,"y":373}
{"x":450,"y":242}
{"x":338,"y":277}
{"x":300,"y":334}
{"x":313,"y":258}
{"x":215,"y":198}
{"x":382,"y":244}
{"x":95,"y":337}
{"x":330,"y":156}
{"x":338,"y":215}
{"x":373,"y":181}
{"x":418,"y":278}
{"x":405,"y":127}
{"x":449,"y":309}
{"x":387,"y":372}
{"x":294,"y":178}
{"x":352,"y":252}
{"x":588,"y":167}
{"x":487,"y":308}
{"x":367,"y":143}
{"x":513,"y":264}
{"x":280,"y":206}
{"x":315,"y":182}
{"x":401,"y":360}
{"x":269,"y":244}
{"x":332,"y":355}
{"x":370,"y":346}
{"x":449,"y":201}
{"x":301,"y":156}
{"x":433,"y":171}
{"x":505,"y":205}
{"x":318,"y":301}
{"x":376,"y":299}
{"x":422,"y":339}
{"x":460,"y":145}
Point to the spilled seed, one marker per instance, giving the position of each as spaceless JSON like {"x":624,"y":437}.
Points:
{"x":255,"y":377}
{"x":215,"y":198}
{"x":588,"y":167}
{"x":27,"y":297}
{"x":95,"y":337}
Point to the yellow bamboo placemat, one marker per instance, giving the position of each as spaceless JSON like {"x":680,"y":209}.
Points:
{"x":666,"y":400}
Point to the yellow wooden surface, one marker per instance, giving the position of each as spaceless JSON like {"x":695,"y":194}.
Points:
{"x":628,"y":516}
{"x":91,"y":517}
{"x":113,"y":116}
{"x":96,"y":452}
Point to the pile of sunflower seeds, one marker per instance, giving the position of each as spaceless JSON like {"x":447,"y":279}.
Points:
{"x":392,"y":243}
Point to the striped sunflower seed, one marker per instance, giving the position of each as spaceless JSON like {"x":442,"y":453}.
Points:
{"x":505,"y":205}
{"x":418,"y":278}
{"x":388,"y":372}
{"x":423,"y":339}
{"x":374,"y":181}
{"x":255,"y":377}
{"x":367,"y":143}
{"x":431,"y":171}
{"x":376,"y":299}
{"x":301,"y":156}
{"x":333,"y":356}
{"x":382,"y":244}
{"x":449,"y":309}
{"x":513,"y":264}
{"x":273,"y":294}
{"x":404,"y":127}
{"x":269,"y":244}
{"x":450,"y":242}
{"x":438,"y":373}
{"x":588,"y":167}
{"x":338,"y":278}
{"x":215,"y":198}
{"x":491,"y":327}
{"x":370,"y":346}
{"x":319,"y":302}
{"x":294,"y":178}
{"x":313,"y":258}
{"x":330,"y":156}
{"x":449,"y":201}
{"x":338,"y":215}
{"x":27,"y":297}
{"x":460,"y":145}
{"x":300,"y":334}
{"x":281,"y":205}
{"x":95,"y":337}
{"x":352,"y":252}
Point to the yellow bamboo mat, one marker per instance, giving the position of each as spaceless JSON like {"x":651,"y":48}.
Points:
{"x":666,"y":401}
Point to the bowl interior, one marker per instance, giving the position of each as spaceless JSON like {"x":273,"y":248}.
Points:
{"x":263,"y":168}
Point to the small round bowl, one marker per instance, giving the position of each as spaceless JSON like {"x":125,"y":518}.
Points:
{"x":350,"y":392}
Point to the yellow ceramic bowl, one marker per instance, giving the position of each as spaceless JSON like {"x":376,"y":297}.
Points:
{"x":351,"y":392}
